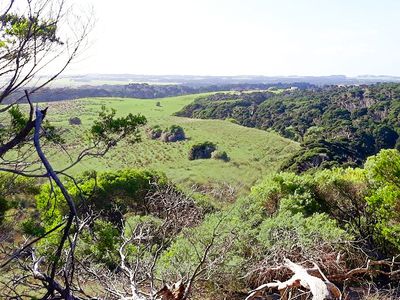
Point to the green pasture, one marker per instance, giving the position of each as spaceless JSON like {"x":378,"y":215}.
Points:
{"x":254,"y":153}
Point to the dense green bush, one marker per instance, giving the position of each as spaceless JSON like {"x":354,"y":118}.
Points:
{"x":288,"y":231}
{"x":365,"y":201}
{"x":383,"y":173}
{"x":202,"y":150}
{"x":32,"y":227}
{"x":101,"y":244}
{"x":15,"y":192}
{"x":112,"y":194}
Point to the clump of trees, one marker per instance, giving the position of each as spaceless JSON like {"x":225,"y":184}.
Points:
{"x":174,"y":133}
{"x":202,"y":150}
{"x":207,"y":150}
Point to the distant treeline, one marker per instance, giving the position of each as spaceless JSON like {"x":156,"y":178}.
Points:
{"x":335,"y":125}
{"x":145,"y":91}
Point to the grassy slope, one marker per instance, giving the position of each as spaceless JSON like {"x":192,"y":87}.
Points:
{"x":253,"y":152}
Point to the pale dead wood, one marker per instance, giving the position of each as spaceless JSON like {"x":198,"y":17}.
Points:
{"x":320,"y":289}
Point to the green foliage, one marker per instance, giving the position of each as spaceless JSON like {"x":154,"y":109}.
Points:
{"x":383,"y":172}
{"x":18,"y":119}
{"x":202,"y":150}
{"x":337,"y":125}
{"x":15,"y":192}
{"x":225,"y":260}
{"x":108,"y":128}
{"x":32,"y":227}
{"x":18,"y":28}
{"x":111,"y":193}
{"x":365,"y":202}
{"x":288,"y":192}
{"x":288,"y":231}
{"x":102,"y":244}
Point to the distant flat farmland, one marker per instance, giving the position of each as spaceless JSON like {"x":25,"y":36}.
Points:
{"x":253,"y":153}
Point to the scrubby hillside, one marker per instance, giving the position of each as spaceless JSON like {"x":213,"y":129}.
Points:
{"x":336,"y":125}
{"x":344,"y":220}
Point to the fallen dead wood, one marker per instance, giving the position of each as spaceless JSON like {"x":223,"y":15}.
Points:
{"x":320,"y":289}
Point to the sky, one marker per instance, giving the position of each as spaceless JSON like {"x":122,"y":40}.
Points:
{"x":242,"y":37}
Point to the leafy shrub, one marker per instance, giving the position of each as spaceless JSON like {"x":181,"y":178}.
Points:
{"x":75,"y":121}
{"x":221,"y":155}
{"x":32,"y":227}
{"x":101,"y":243}
{"x":288,"y":231}
{"x":173,"y":134}
{"x":154,"y":132}
{"x":111,"y":193}
{"x":383,"y":172}
{"x":15,"y":192}
{"x":202,"y":150}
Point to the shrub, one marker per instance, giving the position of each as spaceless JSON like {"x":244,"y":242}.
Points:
{"x":75,"y":121}
{"x":221,"y":155}
{"x":202,"y":150}
{"x":154,"y":132}
{"x":112,"y":194}
{"x":101,"y":243}
{"x":286,"y":232}
{"x":172,"y":134}
{"x":383,"y":172}
{"x":32,"y":227}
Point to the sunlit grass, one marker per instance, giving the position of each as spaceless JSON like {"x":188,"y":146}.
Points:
{"x":254,"y":153}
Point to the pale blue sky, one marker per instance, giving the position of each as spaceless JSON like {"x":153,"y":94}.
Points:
{"x":236,"y":37}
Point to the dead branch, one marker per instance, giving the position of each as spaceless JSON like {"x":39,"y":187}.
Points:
{"x":320,"y":289}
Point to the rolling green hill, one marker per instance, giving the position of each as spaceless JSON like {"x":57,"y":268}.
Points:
{"x":253,"y":153}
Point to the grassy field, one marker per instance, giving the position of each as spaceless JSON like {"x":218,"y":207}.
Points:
{"x":254,"y":153}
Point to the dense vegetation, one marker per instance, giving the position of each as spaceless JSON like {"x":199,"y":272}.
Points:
{"x":145,"y":91}
{"x":336,"y":125}
{"x":78,"y":221}
{"x":337,"y":218}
